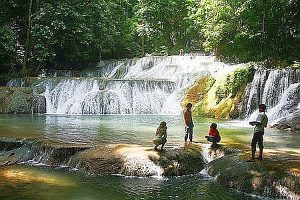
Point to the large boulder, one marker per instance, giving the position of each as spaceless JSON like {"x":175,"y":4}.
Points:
{"x":21,"y":100}
{"x":125,"y":159}
{"x":263,"y":178}
{"x":134,"y":160}
{"x":290,"y":122}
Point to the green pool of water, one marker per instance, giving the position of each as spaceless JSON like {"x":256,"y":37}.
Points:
{"x":33,"y":182}
{"x":26,"y":182}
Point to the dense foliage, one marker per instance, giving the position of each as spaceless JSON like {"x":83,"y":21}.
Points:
{"x":78,"y":33}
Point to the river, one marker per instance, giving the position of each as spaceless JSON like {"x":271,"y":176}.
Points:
{"x":38,"y":181}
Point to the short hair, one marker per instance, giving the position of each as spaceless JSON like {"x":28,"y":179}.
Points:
{"x":262,"y":106}
{"x":162,"y":124}
{"x":213,"y":125}
{"x":188,"y":105}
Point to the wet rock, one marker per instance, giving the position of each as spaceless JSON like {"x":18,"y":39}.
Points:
{"x":133,"y":160}
{"x":130,"y":160}
{"x":21,"y":100}
{"x":10,"y":145}
{"x":12,"y":152}
{"x":38,"y":104}
{"x":15,"y":153}
{"x":290,"y":122}
{"x":17,"y":82}
{"x":264,"y":178}
{"x":211,"y":152}
{"x":181,"y":161}
{"x":53,"y":155}
{"x":5,"y":94}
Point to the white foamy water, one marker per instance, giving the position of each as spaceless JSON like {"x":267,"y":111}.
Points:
{"x":157,"y":85}
{"x":278,"y":89}
{"x":150,"y":85}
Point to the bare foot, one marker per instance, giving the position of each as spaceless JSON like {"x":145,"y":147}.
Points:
{"x":251,"y":160}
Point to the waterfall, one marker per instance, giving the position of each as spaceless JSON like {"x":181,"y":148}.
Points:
{"x":150,"y":85}
{"x":278,"y":89}
{"x":116,"y":97}
{"x":254,"y":92}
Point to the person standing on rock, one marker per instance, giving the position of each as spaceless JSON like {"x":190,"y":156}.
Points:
{"x":188,"y":123}
{"x":260,"y":123}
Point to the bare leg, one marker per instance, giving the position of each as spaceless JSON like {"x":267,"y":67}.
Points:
{"x":162,"y":146}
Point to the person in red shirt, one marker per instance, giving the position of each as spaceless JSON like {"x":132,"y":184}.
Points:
{"x":213,"y":134}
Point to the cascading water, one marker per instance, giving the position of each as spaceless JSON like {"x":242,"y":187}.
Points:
{"x":150,"y":85}
{"x":157,"y":85}
{"x":278,"y":89}
{"x":117,"y":97}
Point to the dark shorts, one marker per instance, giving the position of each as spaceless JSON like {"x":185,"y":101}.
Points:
{"x":258,"y":137}
{"x":189,"y":132}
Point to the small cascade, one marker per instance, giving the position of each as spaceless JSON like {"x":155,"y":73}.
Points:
{"x":211,"y":153}
{"x":150,"y":85}
{"x":38,"y":104}
{"x":36,"y":153}
{"x":41,"y":156}
{"x":52,"y":156}
{"x":140,"y":165}
{"x":278,"y":89}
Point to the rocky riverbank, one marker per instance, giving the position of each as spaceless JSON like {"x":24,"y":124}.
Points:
{"x":276,"y":176}
{"x":21,"y":100}
{"x":267,"y":178}
{"x":125,"y":159}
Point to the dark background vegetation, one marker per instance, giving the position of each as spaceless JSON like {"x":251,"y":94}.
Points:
{"x":76,"y":34}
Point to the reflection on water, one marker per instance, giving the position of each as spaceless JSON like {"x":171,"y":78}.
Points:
{"x":95,"y":129}
{"x":24,"y":175}
{"x":25,"y":182}
{"x":68,"y":185}
{"x":134,"y":129}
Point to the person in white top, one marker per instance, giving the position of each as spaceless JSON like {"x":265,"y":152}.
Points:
{"x":260,"y":123}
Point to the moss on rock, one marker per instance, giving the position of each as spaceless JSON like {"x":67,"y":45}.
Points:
{"x":219,"y":98}
{"x":20,"y":101}
{"x":264,"y":178}
{"x":5,"y":92}
{"x":198,"y":91}
{"x":137,"y":160}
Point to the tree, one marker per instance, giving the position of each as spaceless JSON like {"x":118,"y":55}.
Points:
{"x":76,"y":33}
{"x":165,"y":24}
{"x":249,"y":30}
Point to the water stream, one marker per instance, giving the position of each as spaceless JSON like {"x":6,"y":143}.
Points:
{"x":122,"y":102}
{"x":33,"y":181}
{"x":150,"y":85}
